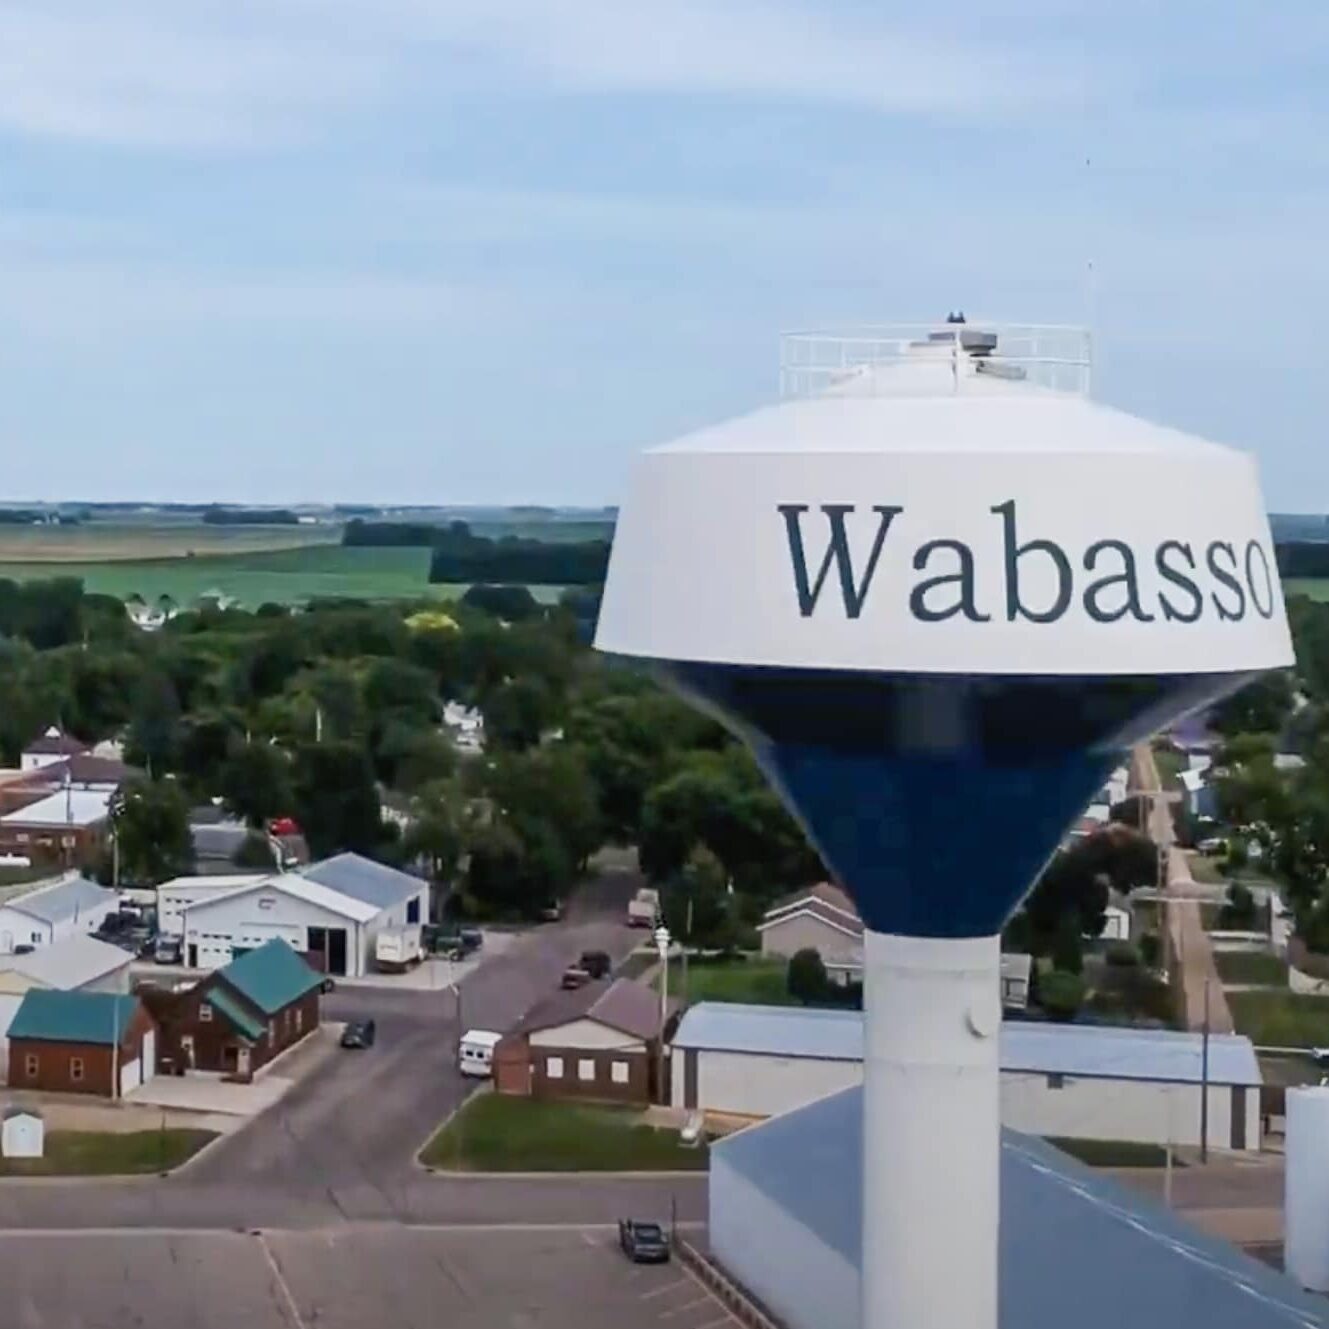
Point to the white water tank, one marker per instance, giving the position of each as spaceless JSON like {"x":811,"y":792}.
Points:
{"x":1306,"y":1199}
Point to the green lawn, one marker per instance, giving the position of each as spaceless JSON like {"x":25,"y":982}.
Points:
{"x":1205,"y":869}
{"x":1170,"y":766}
{"x":108,"y":1153}
{"x":1281,"y":1019}
{"x":497,"y":1133}
{"x":761,"y":982}
{"x":1251,"y":967}
{"x":1114,"y":1153}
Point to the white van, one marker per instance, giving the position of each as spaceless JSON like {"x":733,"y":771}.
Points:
{"x":475,"y":1056}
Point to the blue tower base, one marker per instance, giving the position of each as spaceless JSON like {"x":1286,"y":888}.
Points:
{"x":936,"y":799}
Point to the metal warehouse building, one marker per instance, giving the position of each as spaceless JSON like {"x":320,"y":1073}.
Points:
{"x":1091,"y":1082}
{"x":334,"y":909}
{"x":786,"y":1222}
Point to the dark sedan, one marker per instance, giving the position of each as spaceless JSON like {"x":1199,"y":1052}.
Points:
{"x":359,"y":1034}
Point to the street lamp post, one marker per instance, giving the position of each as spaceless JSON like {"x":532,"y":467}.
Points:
{"x":662,"y":940}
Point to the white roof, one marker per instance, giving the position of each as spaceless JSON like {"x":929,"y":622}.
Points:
{"x":70,"y":963}
{"x":211,"y":885}
{"x":67,"y":807}
{"x":484,"y":1038}
{"x":1090,"y":1051}
{"x":302,"y":888}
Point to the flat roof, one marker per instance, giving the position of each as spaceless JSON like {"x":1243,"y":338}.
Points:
{"x":69,"y":963}
{"x":66,"y":898}
{"x":1089,"y":1051}
{"x":1076,"y":1248}
{"x":66,"y":807}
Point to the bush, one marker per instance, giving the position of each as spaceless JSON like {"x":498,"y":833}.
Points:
{"x":255,"y":851}
{"x":1240,"y":912}
{"x":807,"y":977}
{"x":1061,"y":993}
{"x":1122,"y":955}
{"x":1151,"y":949}
{"x":1068,"y":946}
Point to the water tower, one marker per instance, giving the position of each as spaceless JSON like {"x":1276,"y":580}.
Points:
{"x":938,"y":590}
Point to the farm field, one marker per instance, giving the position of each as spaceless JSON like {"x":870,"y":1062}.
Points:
{"x":103,"y":542}
{"x":283,"y":576}
{"x":1314,"y":588}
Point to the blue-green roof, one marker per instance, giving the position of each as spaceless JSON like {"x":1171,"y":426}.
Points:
{"x":73,"y":1017}
{"x":271,"y":977}
{"x":234,"y":1012}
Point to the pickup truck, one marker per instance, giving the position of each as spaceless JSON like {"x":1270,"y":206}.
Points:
{"x":643,"y":1243}
{"x":592,"y":965}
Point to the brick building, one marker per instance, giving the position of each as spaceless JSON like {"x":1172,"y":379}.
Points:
{"x":102,"y":1043}
{"x":598,"y":1042}
{"x":239,"y":1018}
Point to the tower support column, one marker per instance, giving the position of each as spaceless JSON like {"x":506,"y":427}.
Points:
{"x":932,"y":1131}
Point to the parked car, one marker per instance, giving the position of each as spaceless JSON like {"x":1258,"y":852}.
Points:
{"x":359,"y":1034}
{"x":596,"y":963}
{"x":283,"y":826}
{"x":167,"y":950}
{"x":643,"y":1243}
{"x":471,"y":938}
{"x":574,"y":976}
{"x":552,"y":912}
{"x":327,"y":985}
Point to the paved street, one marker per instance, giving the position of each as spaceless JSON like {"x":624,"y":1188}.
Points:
{"x":344,"y":1278}
{"x":340,"y":1146}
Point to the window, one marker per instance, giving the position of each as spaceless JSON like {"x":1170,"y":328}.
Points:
{"x":35,"y":938}
{"x":413,"y":910}
{"x":554,"y":1068}
{"x":586,"y":1068}
{"x":618,"y":1072}
{"x":204,"y":1012}
{"x":1056,"y":1080}
{"x":76,"y":1069}
{"x":31,"y":1065}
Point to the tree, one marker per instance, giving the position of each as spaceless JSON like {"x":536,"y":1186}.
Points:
{"x":435,"y":835}
{"x":150,"y":823}
{"x":1068,"y":945}
{"x":255,"y":851}
{"x":1262,"y":706}
{"x":516,"y":875}
{"x":255,"y":783}
{"x":517,"y":712}
{"x":697,"y":905}
{"x":154,"y":726}
{"x":512,"y":604}
{"x":807,"y":978}
{"x":335,"y":798}
{"x":402,"y":691}
{"x":204,"y":747}
{"x":407,"y":756}
{"x":552,"y":786}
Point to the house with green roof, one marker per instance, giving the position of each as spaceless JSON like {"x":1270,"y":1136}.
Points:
{"x":81,"y":1042}
{"x":240,"y":1017}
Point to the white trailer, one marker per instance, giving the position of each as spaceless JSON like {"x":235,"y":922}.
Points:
{"x":396,"y":949}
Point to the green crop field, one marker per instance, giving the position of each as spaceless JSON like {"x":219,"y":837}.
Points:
{"x":105,"y":541}
{"x":282,"y":576}
{"x":1314,"y":588}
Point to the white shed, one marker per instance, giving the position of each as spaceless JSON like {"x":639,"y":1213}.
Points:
{"x":22,"y":1133}
{"x":1089,"y":1082}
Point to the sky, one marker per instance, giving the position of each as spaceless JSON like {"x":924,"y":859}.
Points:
{"x":475,"y":251}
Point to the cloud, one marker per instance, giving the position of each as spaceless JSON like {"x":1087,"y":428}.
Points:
{"x":166,"y":74}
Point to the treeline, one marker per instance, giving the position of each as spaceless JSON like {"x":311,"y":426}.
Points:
{"x":389,"y":534}
{"x":1303,"y":558}
{"x":31,"y":517}
{"x":461,"y":556}
{"x":220,"y":516}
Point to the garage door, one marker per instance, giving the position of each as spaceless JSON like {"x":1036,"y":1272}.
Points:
{"x":250,"y":936}
{"x":131,"y":1076}
{"x":213,"y":952}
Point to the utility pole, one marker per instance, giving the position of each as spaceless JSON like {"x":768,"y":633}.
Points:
{"x":1204,"y":1081}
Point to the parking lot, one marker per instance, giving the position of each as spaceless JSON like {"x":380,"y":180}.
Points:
{"x":346,"y":1278}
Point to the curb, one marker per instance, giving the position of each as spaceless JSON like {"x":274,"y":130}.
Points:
{"x":453,"y":1174}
